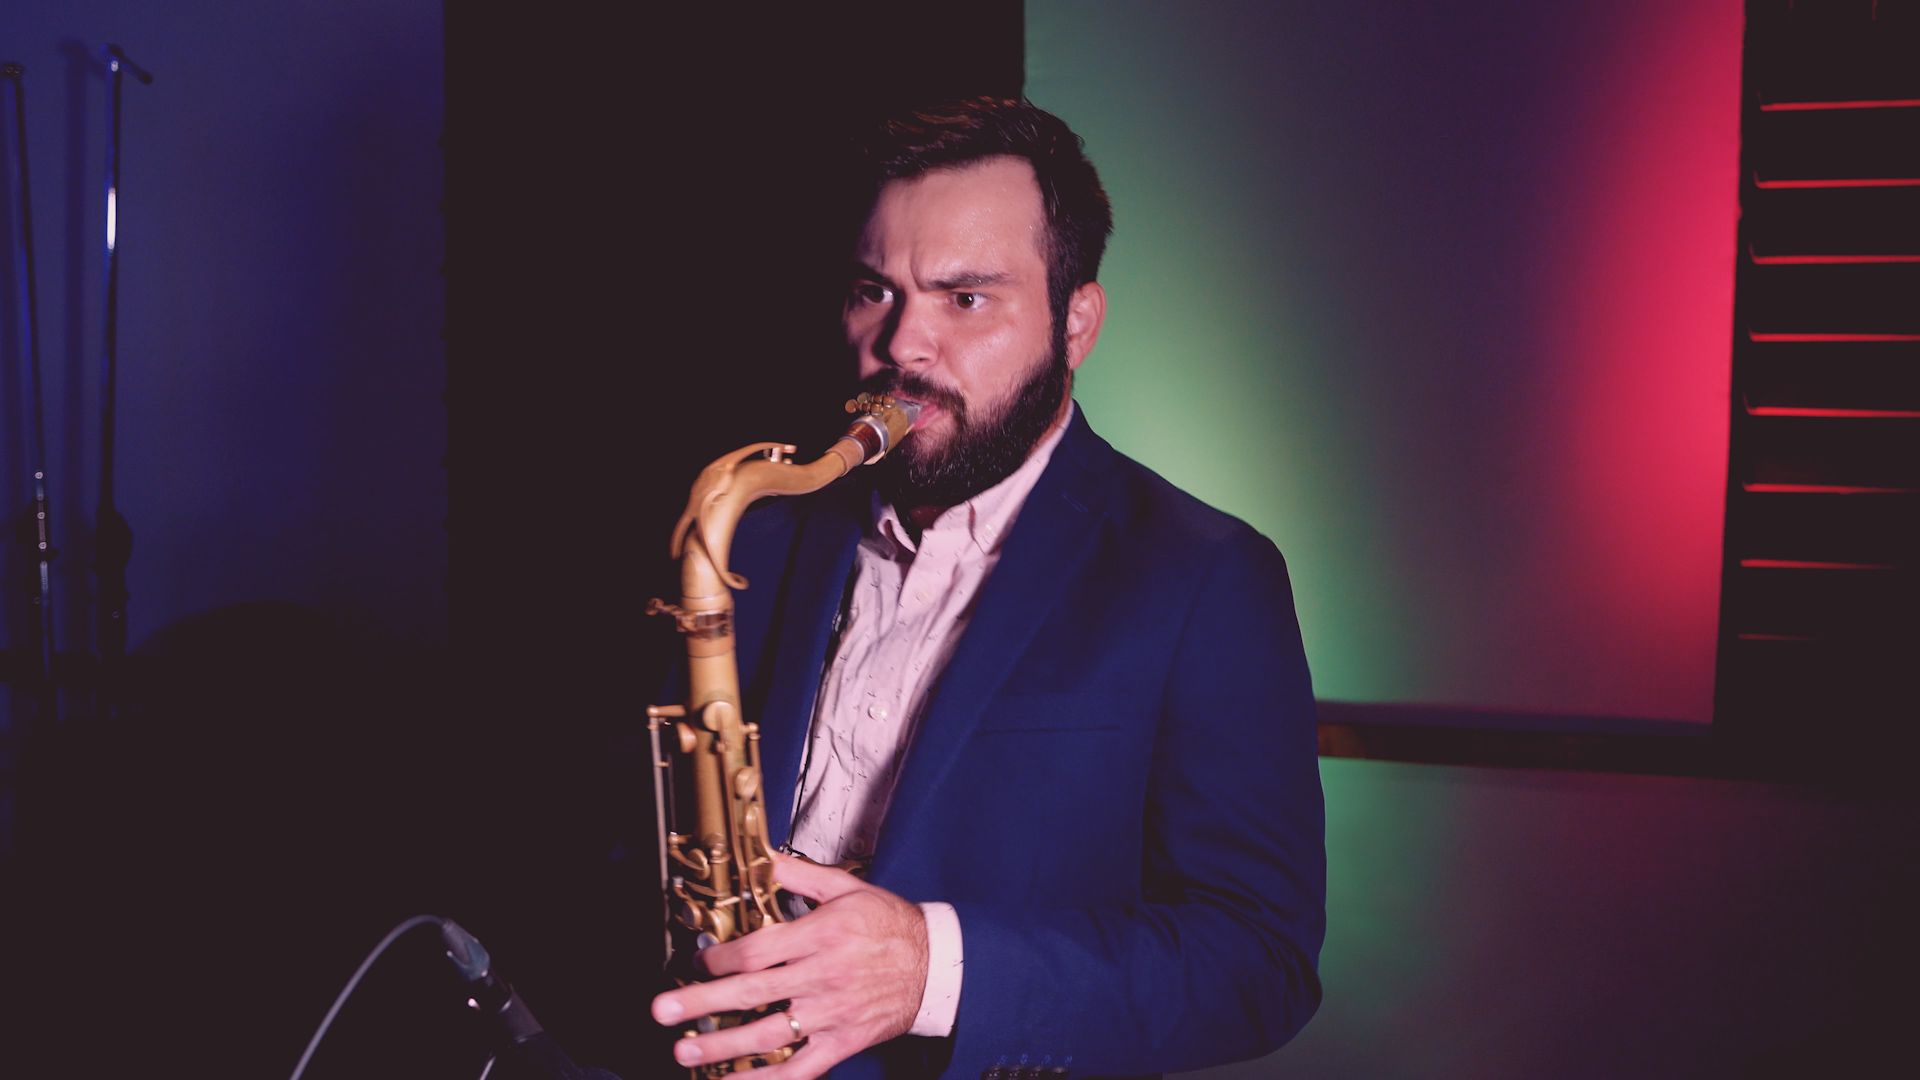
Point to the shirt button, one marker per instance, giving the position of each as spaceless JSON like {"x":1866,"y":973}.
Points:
{"x":878,"y":712}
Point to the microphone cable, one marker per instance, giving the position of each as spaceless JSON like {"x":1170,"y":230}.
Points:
{"x":510,"y":1025}
{"x":360,"y":973}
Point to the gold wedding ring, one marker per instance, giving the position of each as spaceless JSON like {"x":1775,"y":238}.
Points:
{"x":794,"y":1024}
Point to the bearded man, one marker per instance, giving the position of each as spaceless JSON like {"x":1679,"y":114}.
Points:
{"x":1056,"y":707}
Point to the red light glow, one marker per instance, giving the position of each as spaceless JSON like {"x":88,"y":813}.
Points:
{"x":1814,"y":106}
{"x":1853,"y":182}
{"x":1829,"y":260}
{"x":1802,"y":564}
{"x":1824,"y":489}
{"x":1636,"y":319}
{"x":1829,"y":338}
{"x":1849,"y":414}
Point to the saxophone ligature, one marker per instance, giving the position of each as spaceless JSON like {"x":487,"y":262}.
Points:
{"x":717,"y":876}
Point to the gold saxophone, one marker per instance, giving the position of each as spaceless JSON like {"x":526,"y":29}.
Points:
{"x":718,"y":879}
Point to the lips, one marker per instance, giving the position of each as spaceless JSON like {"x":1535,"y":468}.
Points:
{"x":928,"y":411}
{"x":933,"y":400}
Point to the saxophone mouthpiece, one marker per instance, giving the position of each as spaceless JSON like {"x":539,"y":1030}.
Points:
{"x":880,"y":422}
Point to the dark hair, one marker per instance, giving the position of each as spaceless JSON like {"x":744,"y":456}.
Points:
{"x":957,"y":133}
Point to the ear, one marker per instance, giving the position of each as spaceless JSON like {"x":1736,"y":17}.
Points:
{"x":1086,"y":310}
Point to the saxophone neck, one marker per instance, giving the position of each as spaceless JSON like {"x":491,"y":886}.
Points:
{"x":703,"y":538}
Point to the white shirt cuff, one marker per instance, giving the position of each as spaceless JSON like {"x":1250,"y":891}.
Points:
{"x":940,"y":1002}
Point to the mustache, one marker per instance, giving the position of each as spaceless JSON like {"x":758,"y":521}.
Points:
{"x":915,"y":388}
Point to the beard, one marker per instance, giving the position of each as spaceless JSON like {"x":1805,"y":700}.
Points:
{"x":980,"y":451}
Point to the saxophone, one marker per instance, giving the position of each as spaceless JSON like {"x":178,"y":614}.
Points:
{"x":718,"y":878}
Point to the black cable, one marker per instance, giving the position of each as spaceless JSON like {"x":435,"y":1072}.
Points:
{"x":510,"y":1023}
{"x":347,"y":991}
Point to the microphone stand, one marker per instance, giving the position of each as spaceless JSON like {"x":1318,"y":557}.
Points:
{"x":49,"y":698}
{"x":113,"y":536}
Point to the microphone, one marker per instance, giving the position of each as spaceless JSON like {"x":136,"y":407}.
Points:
{"x":487,"y":993}
{"x":521,"y":1038}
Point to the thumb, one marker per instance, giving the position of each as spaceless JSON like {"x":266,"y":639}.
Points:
{"x":813,"y":881}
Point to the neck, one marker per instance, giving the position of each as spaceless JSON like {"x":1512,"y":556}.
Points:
{"x":919,"y":519}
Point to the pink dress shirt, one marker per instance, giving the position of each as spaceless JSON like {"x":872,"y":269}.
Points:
{"x":909,"y":604}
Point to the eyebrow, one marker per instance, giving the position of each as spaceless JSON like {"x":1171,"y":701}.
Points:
{"x":970,"y":279}
{"x":965,"y":279}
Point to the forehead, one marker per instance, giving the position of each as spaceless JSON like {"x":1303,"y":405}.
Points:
{"x":988,"y":209}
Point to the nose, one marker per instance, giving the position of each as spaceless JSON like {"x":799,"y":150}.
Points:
{"x":911,"y":340}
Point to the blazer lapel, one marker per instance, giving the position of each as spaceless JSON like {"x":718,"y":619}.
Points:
{"x":813,"y":589}
{"x":1051,"y":537}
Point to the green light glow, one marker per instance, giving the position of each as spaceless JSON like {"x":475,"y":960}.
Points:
{"x":1206,"y":368}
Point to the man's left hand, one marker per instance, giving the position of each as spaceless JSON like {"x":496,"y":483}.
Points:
{"x":853,"y":972}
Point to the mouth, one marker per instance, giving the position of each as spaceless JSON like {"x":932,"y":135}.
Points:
{"x":924,"y":402}
{"x":923,"y":413}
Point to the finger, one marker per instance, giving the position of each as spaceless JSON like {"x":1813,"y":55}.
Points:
{"x":731,"y":994}
{"x":813,"y":881}
{"x":762,"y":1035}
{"x":777,"y":943}
{"x":821,"y":1053}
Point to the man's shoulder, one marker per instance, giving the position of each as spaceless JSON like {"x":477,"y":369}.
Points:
{"x":1147,"y":506}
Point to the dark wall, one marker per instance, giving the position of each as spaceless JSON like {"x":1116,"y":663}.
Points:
{"x":646,"y":254}
{"x":642,"y":270}
{"x":645,"y":265}
{"x":280,"y":428}
{"x":191,"y":876}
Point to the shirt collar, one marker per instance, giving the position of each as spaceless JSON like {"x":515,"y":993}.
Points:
{"x":985,"y":518}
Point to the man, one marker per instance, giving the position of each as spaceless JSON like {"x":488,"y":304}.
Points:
{"x":1060,"y":706}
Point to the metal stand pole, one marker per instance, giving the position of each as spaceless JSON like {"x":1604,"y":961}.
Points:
{"x":49,"y":698}
{"x":113,"y":536}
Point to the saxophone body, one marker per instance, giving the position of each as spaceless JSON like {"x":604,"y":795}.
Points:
{"x":716,"y":865}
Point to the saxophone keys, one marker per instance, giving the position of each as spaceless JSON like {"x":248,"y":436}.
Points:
{"x":718,"y":715}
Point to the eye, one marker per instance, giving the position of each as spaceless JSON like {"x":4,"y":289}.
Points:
{"x":871,"y":292}
{"x":968,"y":300}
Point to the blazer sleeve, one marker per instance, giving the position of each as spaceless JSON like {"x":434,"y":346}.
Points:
{"x":1215,"y":961}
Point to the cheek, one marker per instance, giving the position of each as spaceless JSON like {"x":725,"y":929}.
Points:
{"x":861,"y":337}
{"x":997,"y":362}
{"x":860,"y":340}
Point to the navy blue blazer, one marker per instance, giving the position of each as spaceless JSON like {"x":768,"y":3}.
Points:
{"x":1115,"y":781}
